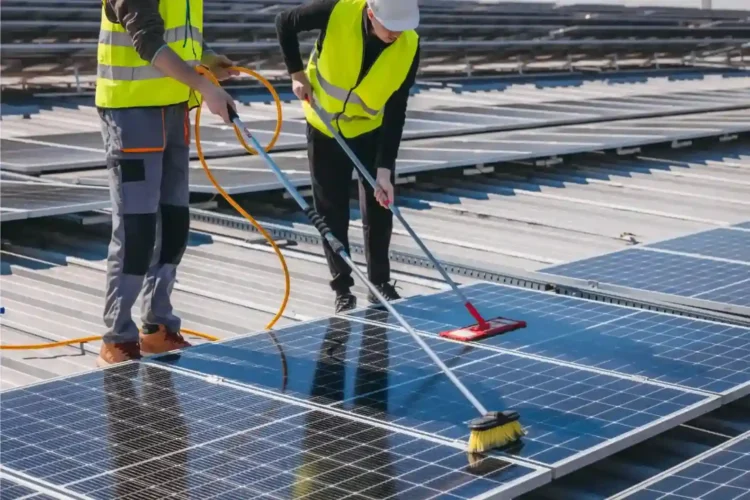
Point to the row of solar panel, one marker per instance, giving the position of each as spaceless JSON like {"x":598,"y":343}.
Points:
{"x":248,"y":174}
{"x":539,"y":12}
{"x":358,"y":397}
{"x":23,"y":30}
{"x":722,"y":473}
{"x":712,"y":265}
{"x":39,"y":153}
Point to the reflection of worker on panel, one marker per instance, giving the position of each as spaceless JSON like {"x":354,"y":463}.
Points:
{"x":145,"y":88}
{"x":360,"y":74}
{"x":345,"y":464}
{"x":146,"y":428}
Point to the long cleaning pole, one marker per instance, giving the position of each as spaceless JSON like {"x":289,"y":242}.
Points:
{"x":482,"y":323}
{"x":338,"y":247}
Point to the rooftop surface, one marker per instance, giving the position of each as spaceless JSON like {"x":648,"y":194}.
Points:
{"x":626,"y":393}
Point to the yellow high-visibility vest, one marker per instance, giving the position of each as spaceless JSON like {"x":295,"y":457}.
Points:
{"x":124,"y":80}
{"x":354,"y":109}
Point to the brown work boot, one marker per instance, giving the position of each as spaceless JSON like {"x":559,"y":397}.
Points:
{"x":161,"y":340}
{"x":118,"y":353}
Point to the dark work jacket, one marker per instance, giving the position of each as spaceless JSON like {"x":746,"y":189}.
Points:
{"x":314,"y":16}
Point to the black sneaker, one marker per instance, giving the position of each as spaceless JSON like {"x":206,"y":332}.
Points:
{"x":386,"y":290}
{"x":345,"y":302}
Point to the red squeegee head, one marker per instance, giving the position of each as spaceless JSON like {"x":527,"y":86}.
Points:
{"x":483,"y":328}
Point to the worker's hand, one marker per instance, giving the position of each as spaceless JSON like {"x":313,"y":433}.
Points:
{"x":217,"y":99}
{"x":301,"y":86}
{"x":219,"y":66}
{"x":384,"y":187}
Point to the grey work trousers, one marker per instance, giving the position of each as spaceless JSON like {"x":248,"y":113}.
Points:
{"x":148,"y":161}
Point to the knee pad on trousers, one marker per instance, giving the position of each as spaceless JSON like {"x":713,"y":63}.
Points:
{"x":140,"y":236}
{"x":175,"y":227}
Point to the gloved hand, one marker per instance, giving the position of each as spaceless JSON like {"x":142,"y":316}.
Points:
{"x":384,"y":191}
{"x":301,"y":86}
{"x":219,"y":65}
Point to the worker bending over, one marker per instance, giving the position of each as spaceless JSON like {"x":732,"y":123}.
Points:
{"x":360,"y":73}
{"x":146,"y":85}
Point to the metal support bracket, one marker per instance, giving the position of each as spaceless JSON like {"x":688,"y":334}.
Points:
{"x":479,"y":169}
{"x":628,"y":151}
{"x":548,"y":162}
{"x":677,"y":144}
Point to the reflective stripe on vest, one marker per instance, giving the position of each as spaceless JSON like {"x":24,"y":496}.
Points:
{"x":122,"y":39}
{"x":125,"y":80}
{"x":133,"y":74}
{"x":341,"y":93}
{"x":354,"y":107}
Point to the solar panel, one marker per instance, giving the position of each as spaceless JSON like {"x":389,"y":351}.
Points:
{"x":719,"y":474}
{"x":328,"y":360}
{"x":679,"y":275}
{"x":380,"y":373}
{"x":249,"y":173}
{"x":701,"y":355}
{"x":11,"y":490}
{"x":140,"y":431}
{"x":40,"y":153}
{"x":30,"y":199}
{"x":723,"y":243}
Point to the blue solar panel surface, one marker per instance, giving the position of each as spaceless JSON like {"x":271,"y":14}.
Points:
{"x":698,"y":354}
{"x":10,"y":490}
{"x":721,"y":474}
{"x":738,"y":293}
{"x":382,"y":373}
{"x":328,"y":361}
{"x":147,"y":432}
{"x":721,"y":242}
{"x":666,"y":273}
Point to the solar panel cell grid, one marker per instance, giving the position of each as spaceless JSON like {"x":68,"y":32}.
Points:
{"x":382,"y":373}
{"x":35,"y":196}
{"x":565,"y":410}
{"x":721,"y":474}
{"x":670,"y":349}
{"x":722,"y":243}
{"x":738,"y":293}
{"x":10,"y":490}
{"x":146,"y":432}
{"x":660,"y":272}
{"x":327,"y":361}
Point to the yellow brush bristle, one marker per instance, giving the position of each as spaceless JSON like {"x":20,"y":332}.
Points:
{"x":480,"y":441}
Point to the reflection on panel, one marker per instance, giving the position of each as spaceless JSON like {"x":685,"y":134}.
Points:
{"x":382,"y":373}
{"x":671,"y":349}
{"x":139,"y":431}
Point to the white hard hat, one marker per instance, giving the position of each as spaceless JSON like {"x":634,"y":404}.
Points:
{"x":396,"y":15}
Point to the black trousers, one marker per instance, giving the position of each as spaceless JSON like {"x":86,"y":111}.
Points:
{"x":331,"y":173}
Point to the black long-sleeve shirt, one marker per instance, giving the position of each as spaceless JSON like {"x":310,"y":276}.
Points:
{"x":314,"y":15}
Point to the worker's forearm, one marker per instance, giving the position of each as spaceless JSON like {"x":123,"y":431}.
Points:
{"x":169,"y":63}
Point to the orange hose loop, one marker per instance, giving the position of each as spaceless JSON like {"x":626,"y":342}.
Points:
{"x":207,"y":73}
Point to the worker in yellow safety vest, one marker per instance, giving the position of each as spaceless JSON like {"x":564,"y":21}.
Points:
{"x":146,"y":85}
{"x":360,"y":73}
